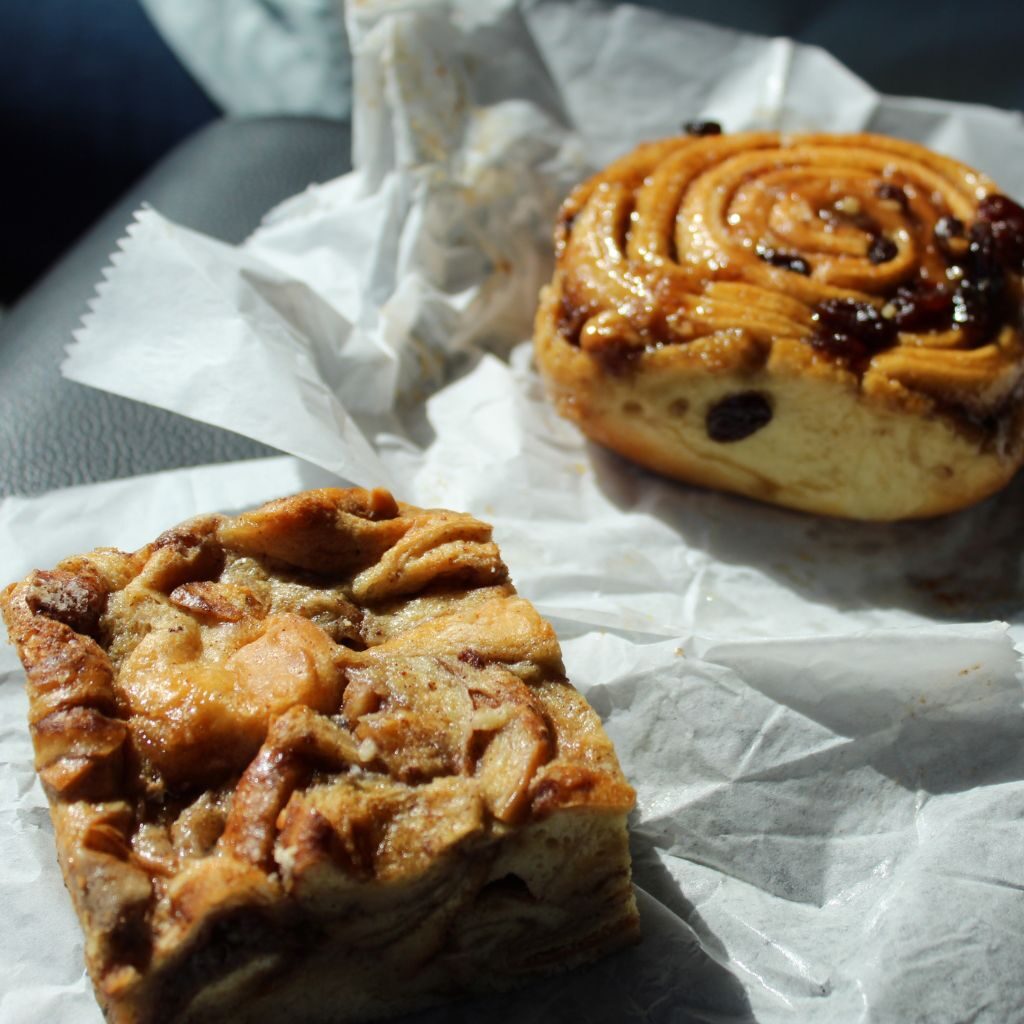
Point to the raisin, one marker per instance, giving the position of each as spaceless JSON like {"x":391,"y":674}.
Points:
{"x":949,"y":237}
{"x":922,"y":307}
{"x":702,"y":128}
{"x":1007,"y":222}
{"x":894,"y":193}
{"x":843,"y":347}
{"x":980,"y":297}
{"x":786,"y":260}
{"x":850,"y":331}
{"x":1001,"y":208}
{"x":882,"y":249}
{"x":737,"y":416}
{"x":839,"y":321}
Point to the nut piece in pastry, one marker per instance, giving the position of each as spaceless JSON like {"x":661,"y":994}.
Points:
{"x":317,"y":762}
{"x":826,"y":322}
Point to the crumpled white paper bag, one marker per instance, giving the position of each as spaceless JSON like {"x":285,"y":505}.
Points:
{"x":362,"y":296}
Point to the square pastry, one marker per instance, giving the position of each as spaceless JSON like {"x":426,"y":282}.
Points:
{"x":317,"y":762}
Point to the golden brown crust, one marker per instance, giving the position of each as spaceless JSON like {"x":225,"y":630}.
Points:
{"x":312,"y":733}
{"x":700,"y":271}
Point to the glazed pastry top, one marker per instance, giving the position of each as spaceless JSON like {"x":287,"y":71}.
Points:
{"x":890,"y":262}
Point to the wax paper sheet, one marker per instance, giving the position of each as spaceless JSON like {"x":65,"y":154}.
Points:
{"x":823,"y":720}
{"x":827,"y":825}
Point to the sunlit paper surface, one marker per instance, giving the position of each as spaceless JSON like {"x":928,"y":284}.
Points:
{"x":823,"y":720}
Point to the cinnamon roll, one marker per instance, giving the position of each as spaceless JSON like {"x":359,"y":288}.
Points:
{"x":830,"y":323}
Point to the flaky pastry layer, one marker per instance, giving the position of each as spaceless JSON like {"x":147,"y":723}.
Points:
{"x":317,"y":761}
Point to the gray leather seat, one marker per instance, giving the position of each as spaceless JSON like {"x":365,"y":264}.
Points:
{"x":54,"y":432}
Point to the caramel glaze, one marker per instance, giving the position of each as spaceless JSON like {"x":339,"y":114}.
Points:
{"x":899,"y":266}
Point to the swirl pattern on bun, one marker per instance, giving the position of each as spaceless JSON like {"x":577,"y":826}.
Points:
{"x":826,"y":322}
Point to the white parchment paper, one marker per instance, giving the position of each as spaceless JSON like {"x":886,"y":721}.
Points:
{"x":828,"y":824}
{"x":823,"y":720}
